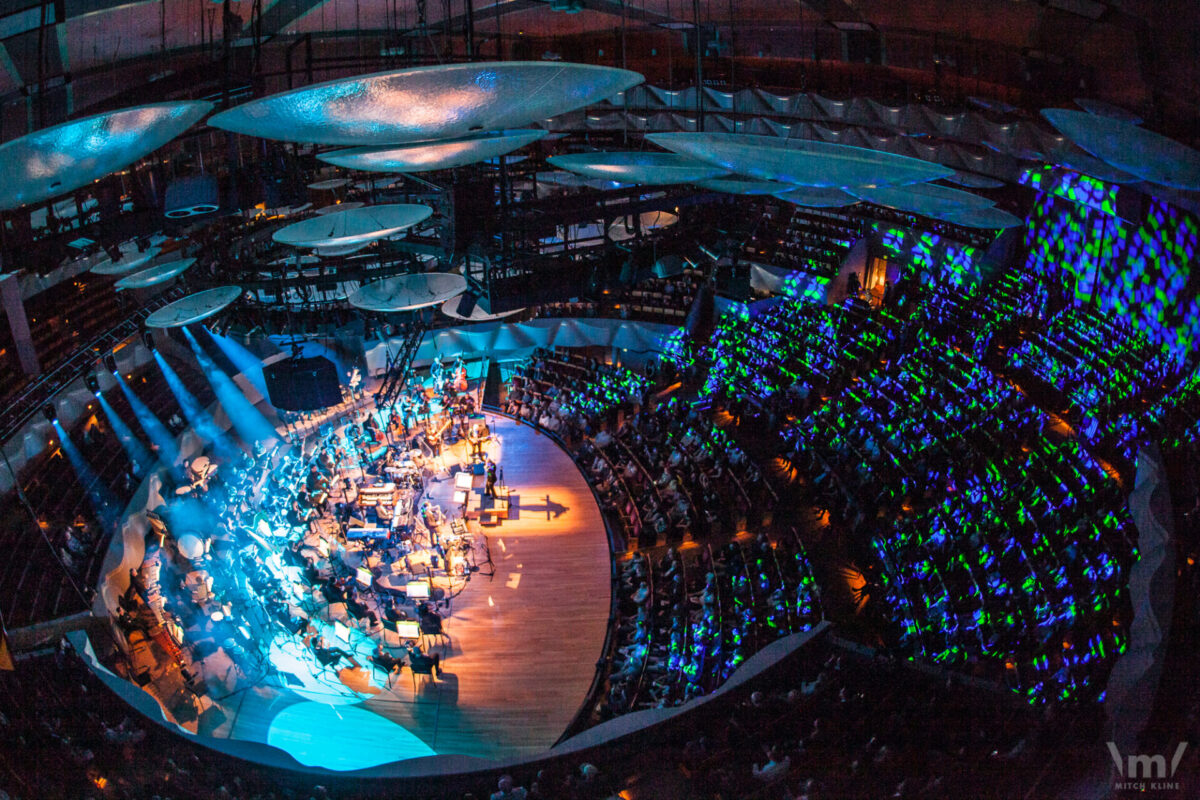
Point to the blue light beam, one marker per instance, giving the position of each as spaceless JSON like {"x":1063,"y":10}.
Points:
{"x":138,"y":453}
{"x":104,"y":503}
{"x":201,"y":421}
{"x":247,"y":420}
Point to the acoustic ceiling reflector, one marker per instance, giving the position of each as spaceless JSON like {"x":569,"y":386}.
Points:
{"x":1145,"y":154}
{"x":62,"y":158}
{"x":650,"y":169}
{"x":429,"y":156}
{"x":426,"y":103}
{"x":803,"y":162}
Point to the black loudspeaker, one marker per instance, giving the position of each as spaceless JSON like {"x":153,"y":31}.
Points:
{"x":303,"y":384}
{"x":466,"y":303}
{"x":701,"y":316}
{"x":492,"y":385}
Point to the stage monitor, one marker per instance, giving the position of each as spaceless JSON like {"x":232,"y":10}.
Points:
{"x":303,"y":384}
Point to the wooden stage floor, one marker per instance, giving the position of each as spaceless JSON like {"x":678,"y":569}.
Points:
{"x":524,"y":643}
{"x":520,"y":659}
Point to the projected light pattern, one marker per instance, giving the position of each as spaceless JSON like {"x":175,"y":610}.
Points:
{"x":246,"y":362}
{"x":102,"y":500}
{"x":1095,"y":361}
{"x":1003,"y":537}
{"x":611,"y":386}
{"x":1136,"y":272}
{"x":787,"y":349}
{"x":200,"y":420}
{"x":137,"y":452}
{"x":932,"y":258}
{"x":247,"y":420}
{"x":1072,"y":241}
{"x":1073,"y":186}
{"x":160,"y":439}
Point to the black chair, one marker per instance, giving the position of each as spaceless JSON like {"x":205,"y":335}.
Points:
{"x":431,"y":625}
{"x":419,"y":664}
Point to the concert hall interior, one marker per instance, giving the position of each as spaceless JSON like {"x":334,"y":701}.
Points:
{"x":592,"y":399}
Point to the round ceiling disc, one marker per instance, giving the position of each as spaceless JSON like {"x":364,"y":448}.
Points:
{"x":131,"y":261}
{"x":651,"y":169}
{"x":194,"y":307}
{"x":1142,"y":153}
{"x":339,"y":208}
{"x":746,"y":186}
{"x":429,"y":156}
{"x":922,"y":198}
{"x":356,"y":226}
{"x":988,"y":218}
{"x":802,"y":162}
{"x":450,"y":309}
{"x":65,"y":157}
{"x":818,"y":197}
{"x":329,"y":185}
{"x":426,"y":103}
{"x":1103,"y":109}
{"x":159,"y":273}
{"x":409,"y":292}
{"x":622,"y":229}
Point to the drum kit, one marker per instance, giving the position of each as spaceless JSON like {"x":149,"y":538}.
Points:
{"x":199,"y":471}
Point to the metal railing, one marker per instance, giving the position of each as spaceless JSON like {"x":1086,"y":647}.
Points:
{"x":39,"y":392}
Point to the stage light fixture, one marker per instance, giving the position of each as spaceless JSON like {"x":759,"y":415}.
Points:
{"x":50,"y":413}
{"x":148,"y":340}
{"x":110,"y":363}
{"x":92,"y":381}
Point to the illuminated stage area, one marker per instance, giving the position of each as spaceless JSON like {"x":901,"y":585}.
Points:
{"x":284,"y":631}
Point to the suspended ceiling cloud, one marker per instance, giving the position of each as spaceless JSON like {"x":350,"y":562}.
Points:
{"x":739,"y":185}
{"x":160,"y":273}
{"x":193,"y":308}
{"x":624,"y":228}
{"x":358,"y":226}
{"x":409,"y":292}
{"x":650,"y":169}
{"x":1103,"y":109}
{"x":478,"y":314}
{"x":818,"y":197}
{"x":803,"y":162}
{"x":927,"y":199}
{"x":426,"y":103}
{"x":974,"y":180}
{"x":62,"y":158}
{"x":988,"y":218}
{"x":1145,"y":154}
{"x":130,"y":260}
{"x":429,"y":156}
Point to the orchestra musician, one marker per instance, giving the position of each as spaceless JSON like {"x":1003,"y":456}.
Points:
{"x":434,"y":431}
{"x":477,"y":437}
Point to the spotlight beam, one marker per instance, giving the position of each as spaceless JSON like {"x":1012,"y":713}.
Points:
{"x":201,"y":421}
{"x":104,"y":503}
{"x":137,"y":452}
{"x":160,"y":438}
{"x":247,"y":420}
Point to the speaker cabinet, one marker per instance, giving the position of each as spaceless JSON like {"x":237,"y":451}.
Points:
{"x":303,"y":384}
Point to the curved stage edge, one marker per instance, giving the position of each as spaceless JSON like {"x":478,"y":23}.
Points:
{"x":520,"y":662}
